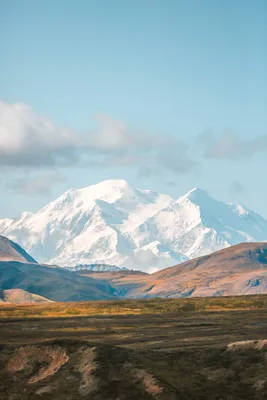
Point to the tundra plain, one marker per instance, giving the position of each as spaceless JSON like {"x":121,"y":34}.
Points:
{"x":196,"y":348}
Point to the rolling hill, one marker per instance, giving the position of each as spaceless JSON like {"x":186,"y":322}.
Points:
{"x":19,"y":296}
{"x":54,"y":283}
{"x":22,"y":279}
{"x":236,"y":270}
{"x":12,"y":251}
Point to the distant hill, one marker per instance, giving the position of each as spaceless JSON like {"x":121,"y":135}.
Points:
{"x":20,"y":296}
{"x":240,"y":269}
{"x":18,"y":270}
{"x":236,"y":270}
{"x":10,"y":251}
{"x":52,"y":283}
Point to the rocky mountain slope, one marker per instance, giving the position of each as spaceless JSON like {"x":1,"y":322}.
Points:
{"x":116,"y":224}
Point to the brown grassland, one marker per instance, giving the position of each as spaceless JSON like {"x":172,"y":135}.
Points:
{"x":173,"y":349}
{"x":127,"y":307}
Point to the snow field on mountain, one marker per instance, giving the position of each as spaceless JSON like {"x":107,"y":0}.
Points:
{"x":116,"y":224}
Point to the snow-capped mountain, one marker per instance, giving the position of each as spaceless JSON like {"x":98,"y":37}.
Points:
{"x":116,"y":224}
{"x":196,"y":225}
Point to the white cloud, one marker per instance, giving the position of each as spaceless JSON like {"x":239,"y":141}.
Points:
{"x":231,"y":147}
{"x":30,"y":140}
{"x":41,"y":185}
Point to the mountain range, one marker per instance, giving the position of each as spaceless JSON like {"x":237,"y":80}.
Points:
{"x":236,"y":270}
{"x":113,"y":223}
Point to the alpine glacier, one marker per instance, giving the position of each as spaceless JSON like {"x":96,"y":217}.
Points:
{"x":116,"y":224}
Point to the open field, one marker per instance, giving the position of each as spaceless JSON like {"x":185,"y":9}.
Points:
{"x":137,"y":307}
{"x":158,"y":332}
{"x":131,"y":350}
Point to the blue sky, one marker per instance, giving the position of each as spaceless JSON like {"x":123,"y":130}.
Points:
{"x":189,"y":74}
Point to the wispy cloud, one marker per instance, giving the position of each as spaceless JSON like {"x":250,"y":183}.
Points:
{"x":33,"y":141}
{"x":41,"y":185}
{"x":231,"y":147}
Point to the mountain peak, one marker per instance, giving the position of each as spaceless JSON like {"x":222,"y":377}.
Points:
{"x":195,"y":191}
{"x":112,"y":184}
{"x":109,"y":190}
{"x":107,"y":186}
{"x":196,"y":195}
